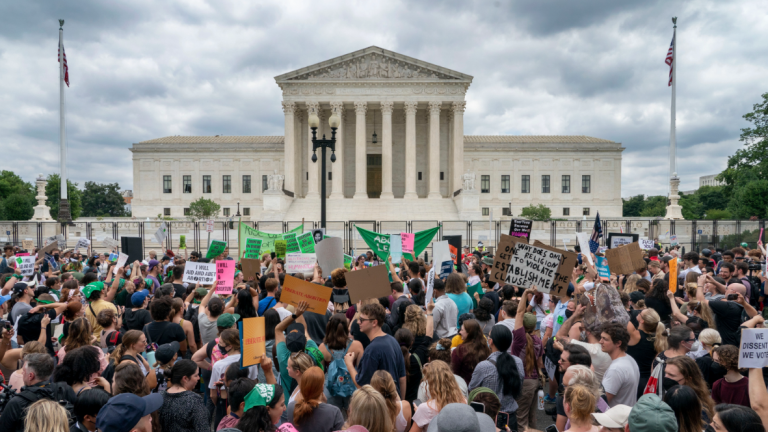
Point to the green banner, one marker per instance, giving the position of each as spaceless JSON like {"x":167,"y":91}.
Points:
{"x":267,"y":239}
{"x":306,"y":242}
{"x":379,"y":243}
{"x":471,"y":290}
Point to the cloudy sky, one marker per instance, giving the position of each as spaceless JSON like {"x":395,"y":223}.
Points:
{"x":144,"y":69}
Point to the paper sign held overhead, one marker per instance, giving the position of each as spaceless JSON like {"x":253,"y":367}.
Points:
{"x":252,"y":248}
{"x":48,"y":248}
{"x":300,"y":263}
{"x":407,"y":240}
{"x":673,"y":275}
{"x":625,"y":259}
{"x":253,"y":341}
{"x":161,"y":233}
{"x":197,"y":272}
{"x":520,"y":228}
{"x":330,"y":254}
{"x":565,"y":271}
{"x":646,"y":244}
{"x":306,"y":242}
{"x":250,"y":267}
{"x":122,"y":258}
{"x":225,"y":275}
{"x":28,"y":245}
{"x":110,"y":243}
{"x":296,"y":290}
{"x":673,"y":240}
{"x":430,"y":285}
{"x":441,"y":253}
{"x":26,"y":264}
{"x":217,"y":248}
{"x":602,"y":268}
{"x":395,"y":248}
{"x":371,"y":282}
{"x":583,"y":240}
{"x":280,"y":246}
{"x":83,"y":243}
{"x":533,"y":266}
{"x":291,"y":245}
{"x":753,"y":349}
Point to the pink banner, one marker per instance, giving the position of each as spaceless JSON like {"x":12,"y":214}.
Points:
{"x":21,"y":254}
{"x":407,"y":243}
{"x":225,"y":275}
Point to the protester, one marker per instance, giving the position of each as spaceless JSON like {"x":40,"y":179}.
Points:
{"x":93,"y":294}
{"x":733,"y":388}
{"x":622,"y":376}
{"x":208,"y":313}
{"x":601,"y":361}
{"x":309,"y":414}
{"x":46,"y":416}
{"x":162,"y":330}
{"x":87,"y":408}
{"x":443,"y":391}
{"x":262,"y":409}
{"x":137,"y":316}
{"x":651,"y":414}
{"x":484,"y":315}
{"x":456,"y":290}
{"x":683,"y":371}
{"x":444,"y":311}
{"x":710,"y":370}
{"x":684,"y":402}
{"x":736,"y":418}
{"x":579,"y":406}
{"x":527,"y":345}
{"x":399,"y":411}
{"x":368,"y":409}
{"x":644,"y":343}
{"x":134,"y":344}
{"x":189,"y":345}
{"x":729,"y":314}
{"x":183,"y":410}
{"x":614,"y":419}
{"x":80,"y":370}
{"x":128,"y":412}
{"x":289,"y":347}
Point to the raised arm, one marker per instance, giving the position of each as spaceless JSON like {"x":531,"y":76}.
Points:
{"x":300,"y":309}
{"x":521,"y":308}
{"x":115,"y":284}
{"x":562,"y":333}
{"x":16,"y":277}
{"x":700,"y":288}
{"x":395,"y":277}
{"x":758,"y":397}
{"x":676,"y":310}
{"x":207,"y":298}
{"x":751,"y":312}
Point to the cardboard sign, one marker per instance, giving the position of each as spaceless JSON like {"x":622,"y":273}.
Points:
{"x":673,"y":274}
{"x":252,"y":248}
{"x":122,"y":258}
{"x":300,"y":263}
{"x":280,"y":248}
{"x":625,"y":259}
{"x":161,"y":233}
{"x":110,"y":243}
{"x":217,"y":248}
{"x":369,"y":283}
{"x":646,"y":244}
{"x":83,"y":243}
{"x":28,"y":245}
{"x":583,"y":240}
{"x":330,"y":254}
{"x":430,"y":285}
{"x":407,"y":240}
{"x":602,"y":268}
{"x":291,"y":245}
{"x":533,"y":266}
{"x":225,"y":275}
{"x":753,"y":349}
{"x":306,"y":243}
{"x":197,"y":272}
{"x":395,"y":248}
{"x":26,"y":264}
{"x":48,"y":248}
{"x":520,"y":228}
{"x":253,"y":341}
{"x":673,"y":240}
{"x":296,"y":290}
{"x":318,"y":235}
{"x":250,"y":267}
{"x":565,"y":271}
{"x":209,"y":225}
{"x":440,"y":253}
{"x":615,"y":239}
{"x":503,"y":255}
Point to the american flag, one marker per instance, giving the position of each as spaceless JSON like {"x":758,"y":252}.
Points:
{"x":670,"y":57}
{"x":63,"y":55}
{"x":597,"y":233}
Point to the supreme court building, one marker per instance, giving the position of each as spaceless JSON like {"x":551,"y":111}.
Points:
{"x":401,"y":154}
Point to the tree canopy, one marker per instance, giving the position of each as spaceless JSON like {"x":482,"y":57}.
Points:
{"x":102,"y":200}
{"x":203,"y":209}
{"x":53,"y":192}
{"x":17,"y":197}
{"x":536,"y":212}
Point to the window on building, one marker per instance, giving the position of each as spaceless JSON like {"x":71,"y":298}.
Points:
{"x":419,"y":175}
{"x":585,"y":183}
{"x":566,"y":184}
{"x":586,"y":211}
{"x":206,"y":184}
{"x":545,"y":184}
{"x":226,"y":183}
{"x":166,"y":184}
{"x":187,"y":183}
{"x":167,"y":211}
{"x":186,"y":211}
{"x":506,"y":211}
{"x":566,"y":211}
{"x":246,"y":211}
{"x":505,"y":184}
{"x":486,"y":211}
{"x":526,"y":184}
{"x":485,"y":184}
{"x":442,"y":175}
{"x":330,"y":175}
{"x":246,"y":184}
{"x":226,"y":211}
{"x":264,"y":183}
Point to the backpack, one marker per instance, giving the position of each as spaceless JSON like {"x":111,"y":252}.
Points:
{"x":191,"y":315}
{"x":755,"y":284}
{"x":32,"y":397}
{"x":338,"y":381}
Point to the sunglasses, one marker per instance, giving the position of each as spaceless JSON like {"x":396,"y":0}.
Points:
{"x":689,"y":340}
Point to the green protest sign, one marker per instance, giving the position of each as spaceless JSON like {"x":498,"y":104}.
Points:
{"x":252,"y":248}
{"x":217,"y":248}
{"x":280,"y":248}
{"x":267,"y":239}
{"x":348,"y":261}
{"x":379,"y":243}
{"x":292,"y":246}
{"x":471,"y":290}
{"x":306,"y":242}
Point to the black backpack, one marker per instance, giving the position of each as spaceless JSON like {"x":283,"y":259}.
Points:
{"x":754,"y":290}
{"x":33,"y":397}
{"x":191,"y":315}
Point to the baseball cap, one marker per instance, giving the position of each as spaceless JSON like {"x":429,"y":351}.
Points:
{"x":227,"y":320}
{"x":19,"y":287}
{"x":124,"y":411}
{"x":137,"y":298}
{"x":479,"y":243}
{"x":651,"y":414}
{"x":195,"y":254}
{"x":165,"y":352}
{"x":4,"y":299}
{"x":616,"y":417}
{"x":636,"y":296}
{"x":529,"y":321}
{"x":91,"y":287}
{"x":488,"y":260}
{"x":295,"y":340}
{"x":152,"y":264}
{"x":706,"y":252}
{"x":457,"y":417}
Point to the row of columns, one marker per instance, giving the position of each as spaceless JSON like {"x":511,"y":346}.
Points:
{"x":361,"y":108}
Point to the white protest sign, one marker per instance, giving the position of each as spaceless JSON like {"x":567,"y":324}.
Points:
{"x":83,"y":243}
{"x":330,"y":254}
{"x":121,"y":260}
{"x":26,"y":264}
{"x":583,"y":240}
{"x":621,"y":240}
{"x":110,"y":243}
{"x":533,"y":266}
{"x":440,"y":253}
{"x":201,"y":273}
{"x":161,"y":233}
{"x":430,"y":284}
{"x":395,"y":248}
{"x":645,"y":243}
{"x":753,"y":350}
{"x":209,"y":226}
{"x":300,"y":262}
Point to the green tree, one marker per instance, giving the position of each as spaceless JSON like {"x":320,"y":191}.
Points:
{"x":691,"y":204}
{"x":11,"y":184}
{"x":717,"y":214}
{"x":633,"y":206}
{"x":53,"y":192}
{"x":754,"y":158}
{"x":19,"y":207}
{"x":102,"y":200}
{"x":655,"y":206}
{"x":203,"y":209}
{"x":749,"y":200}
{"x":712,"y":197}
{"x":538,"y":213}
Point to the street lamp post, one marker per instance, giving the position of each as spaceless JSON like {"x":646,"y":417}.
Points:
{"x":314,"y":122}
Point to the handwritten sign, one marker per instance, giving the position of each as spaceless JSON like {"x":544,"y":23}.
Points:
{"x":395,"y":248}
{"x":296,"y":290}
{"x":306,"y":242}
{"x":300,"y":263}
{"x":200,"y":273}
{"x":583,"y":240}
{"x":531,"y":265}
{"x":625,"y":259}
{"x":26,"y":264}
{"x":520,"y":228}
{"x":217,"y":248}
{"x":602,"y":268}
{"x":615,"y":239}
{"x":503,"y":256}
{"x":673,"y":240}
{"x":280,"y":246}
{"x":753,"y":349}
{"x":122,"y":258}
{"x":252,"y":340}
{"x":48,"y":248}
{"x":673,"y":274}
{"x":83,"y":243}
{"x":565,"y":271}
{"x":209,"y":225}
{"x":252,"y":248}
{"x":369,"y":283}
{"x":291,"y":245}
{"x":110,"y":243}
{"x":28,"y":245}
{"x":646,"y":244}
{"x":407,"y":240}
{"x":225,"y":275}
{"x":430,"y":285}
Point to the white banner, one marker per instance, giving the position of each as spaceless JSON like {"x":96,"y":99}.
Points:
{"x":533,"y":266}
{"x":83,"y":243}
{"x":110,"y":243}
{"x":753,"y":350}
{"x":202,"y":273}
{"x":300,"y":263}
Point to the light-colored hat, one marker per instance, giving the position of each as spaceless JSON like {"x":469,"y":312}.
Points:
{"x":616,"y":417}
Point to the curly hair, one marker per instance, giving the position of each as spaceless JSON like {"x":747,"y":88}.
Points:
{"x":338,"y":277}
{"x":336,"y":332}
{"x":728,"y":356}
{"x":78,"y":366}
{"x":442,"y":385}
{"x":160,"y":308}
{"x":484,"y":309}
{"x":415,"y":320}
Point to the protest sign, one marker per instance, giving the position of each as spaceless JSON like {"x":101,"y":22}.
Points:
{"x":407,"y":242}
{"x":520,"y":228}
{"x":347,"y":261}
{"x":26,"y":264}
{"x":454,"y":246}
{"x":602,"y":268}
{"x":182,"y":242}
{"x":673,"y":274}
{"x":161,"y":233}
{"x":379,"y":243}
{"x":209,"y":225}
{"x":225,"y":275}
{"x":296,"y":290}
{"x":110,"y":243}
{"x":217,"y":248}
{"x":267,"y":239}
{"x":122,"y":258}
{"x":48,"y":248}
{"x":753,"y":348}
{"x":113,"y":256}
{"x":300,"y":263}
{"x":28,"y":245}
{"x":252,"y":248}
{"x":625,"y":259}
{"x":330,"y":254}
{"x":430,"y":285}
{"x":583,"y":240}
{"x":673,"y":240}
{"x":318,"y":235}
{"x":503,"y":255}
{"x":371,"y":282}
{"x":565,"y":271}
{"x":615,"y":239}
{"x":22,"y":254}
{"x":306,"y":242}
{"x":440,"y":253}
{"x":280,"y":246}
{"x":533,"y":266}
{"x":396,"y":248}
{"x":250,"y":267}
{"x":253,"y":341}
{"x":475,"y":289}
{"x":646,"y":244}
{"x":83,"y":243}
{"x":446,"y":268}
{"x":196,"y":272}
{"x":291,"y":245}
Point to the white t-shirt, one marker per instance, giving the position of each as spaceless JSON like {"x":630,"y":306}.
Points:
{"x":283,"y":312}
{"x":540,"y":309}
{"x":220,"y":367}
{"x":601,"y":361}
{"x":621,"y":380}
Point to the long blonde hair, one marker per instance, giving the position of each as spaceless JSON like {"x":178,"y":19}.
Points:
{"x":46,"y":415}
{"x":415,"y":320}
{"x":383,"y":383}
{"x":442,"y":385}
{"x":629,"y":285}
{"x":369,"y":410}
{"x":656,"y":331}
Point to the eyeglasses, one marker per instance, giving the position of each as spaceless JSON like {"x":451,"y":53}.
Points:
{"x":365,"y":319}
{"x":689,"y":340}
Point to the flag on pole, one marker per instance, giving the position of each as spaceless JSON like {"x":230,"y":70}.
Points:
{"x":670,"y":58}
{"x":63,"y":56}
{"x":597,"y":233}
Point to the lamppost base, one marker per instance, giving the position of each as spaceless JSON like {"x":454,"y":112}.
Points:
{"x":65,"y":215}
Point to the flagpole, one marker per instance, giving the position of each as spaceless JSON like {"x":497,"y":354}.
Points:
{"x":64,"y":213}
{"x":674,"y":210}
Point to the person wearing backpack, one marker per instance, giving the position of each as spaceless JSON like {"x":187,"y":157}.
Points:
{"x":338,"y":383}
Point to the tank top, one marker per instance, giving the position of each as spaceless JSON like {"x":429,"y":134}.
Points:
{"x":400,"y":422}
{"x":643,"y":353}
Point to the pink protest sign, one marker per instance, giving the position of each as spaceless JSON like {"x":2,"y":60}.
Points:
{"x":225,"y":275}
{"x":407,"y":242}
{"x":21,"y":254}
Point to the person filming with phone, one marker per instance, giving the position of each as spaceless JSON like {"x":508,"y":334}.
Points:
{"x":729,"y":312}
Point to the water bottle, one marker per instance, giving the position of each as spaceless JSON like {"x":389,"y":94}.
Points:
{"x":541,"y":400}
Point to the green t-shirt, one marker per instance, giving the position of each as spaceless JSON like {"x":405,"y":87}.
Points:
{"x":282,"y":358}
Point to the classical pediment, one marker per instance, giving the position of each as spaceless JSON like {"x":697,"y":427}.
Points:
{"x":373,"y":63}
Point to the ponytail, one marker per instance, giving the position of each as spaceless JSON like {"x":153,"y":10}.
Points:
{"x":506,"y":366}
{"x":660,"y":344}
{"x":405,"y":338}
{"x":530,"y":356}
{"x":312,"y":384}
{"x":129,"y":338}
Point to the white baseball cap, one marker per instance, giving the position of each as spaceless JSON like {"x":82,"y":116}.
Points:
{"x":616,"y":417}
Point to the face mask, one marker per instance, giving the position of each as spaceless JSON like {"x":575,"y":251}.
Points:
{"x":568,"y":313}
{"x":128,"y":273}
{"x":696,"y":346}
{"x":222,"y":349}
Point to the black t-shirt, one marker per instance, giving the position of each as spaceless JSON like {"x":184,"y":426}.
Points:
{"x":728,"y":317}
{"x":164,"y":332}
{"x":661,"y":307}
{"x":136,"y":320}
{"x":179,"y":291}
{"x":29,"y":328}
{"x":360,"y":336}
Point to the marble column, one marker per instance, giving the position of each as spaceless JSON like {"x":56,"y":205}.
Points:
{"x":386,"y":149}
{"x":289,"y":149}
{"x":434,"y":150}
{"x":337,"y":184}
{"x":410,"y":150}
{"x":313,"y":190}
{"x":361,"y":171}
{"x":457,"y":170}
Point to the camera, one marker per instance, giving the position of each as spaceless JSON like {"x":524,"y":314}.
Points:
{"x":756,"y":265}
{"x":6,"y":324}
